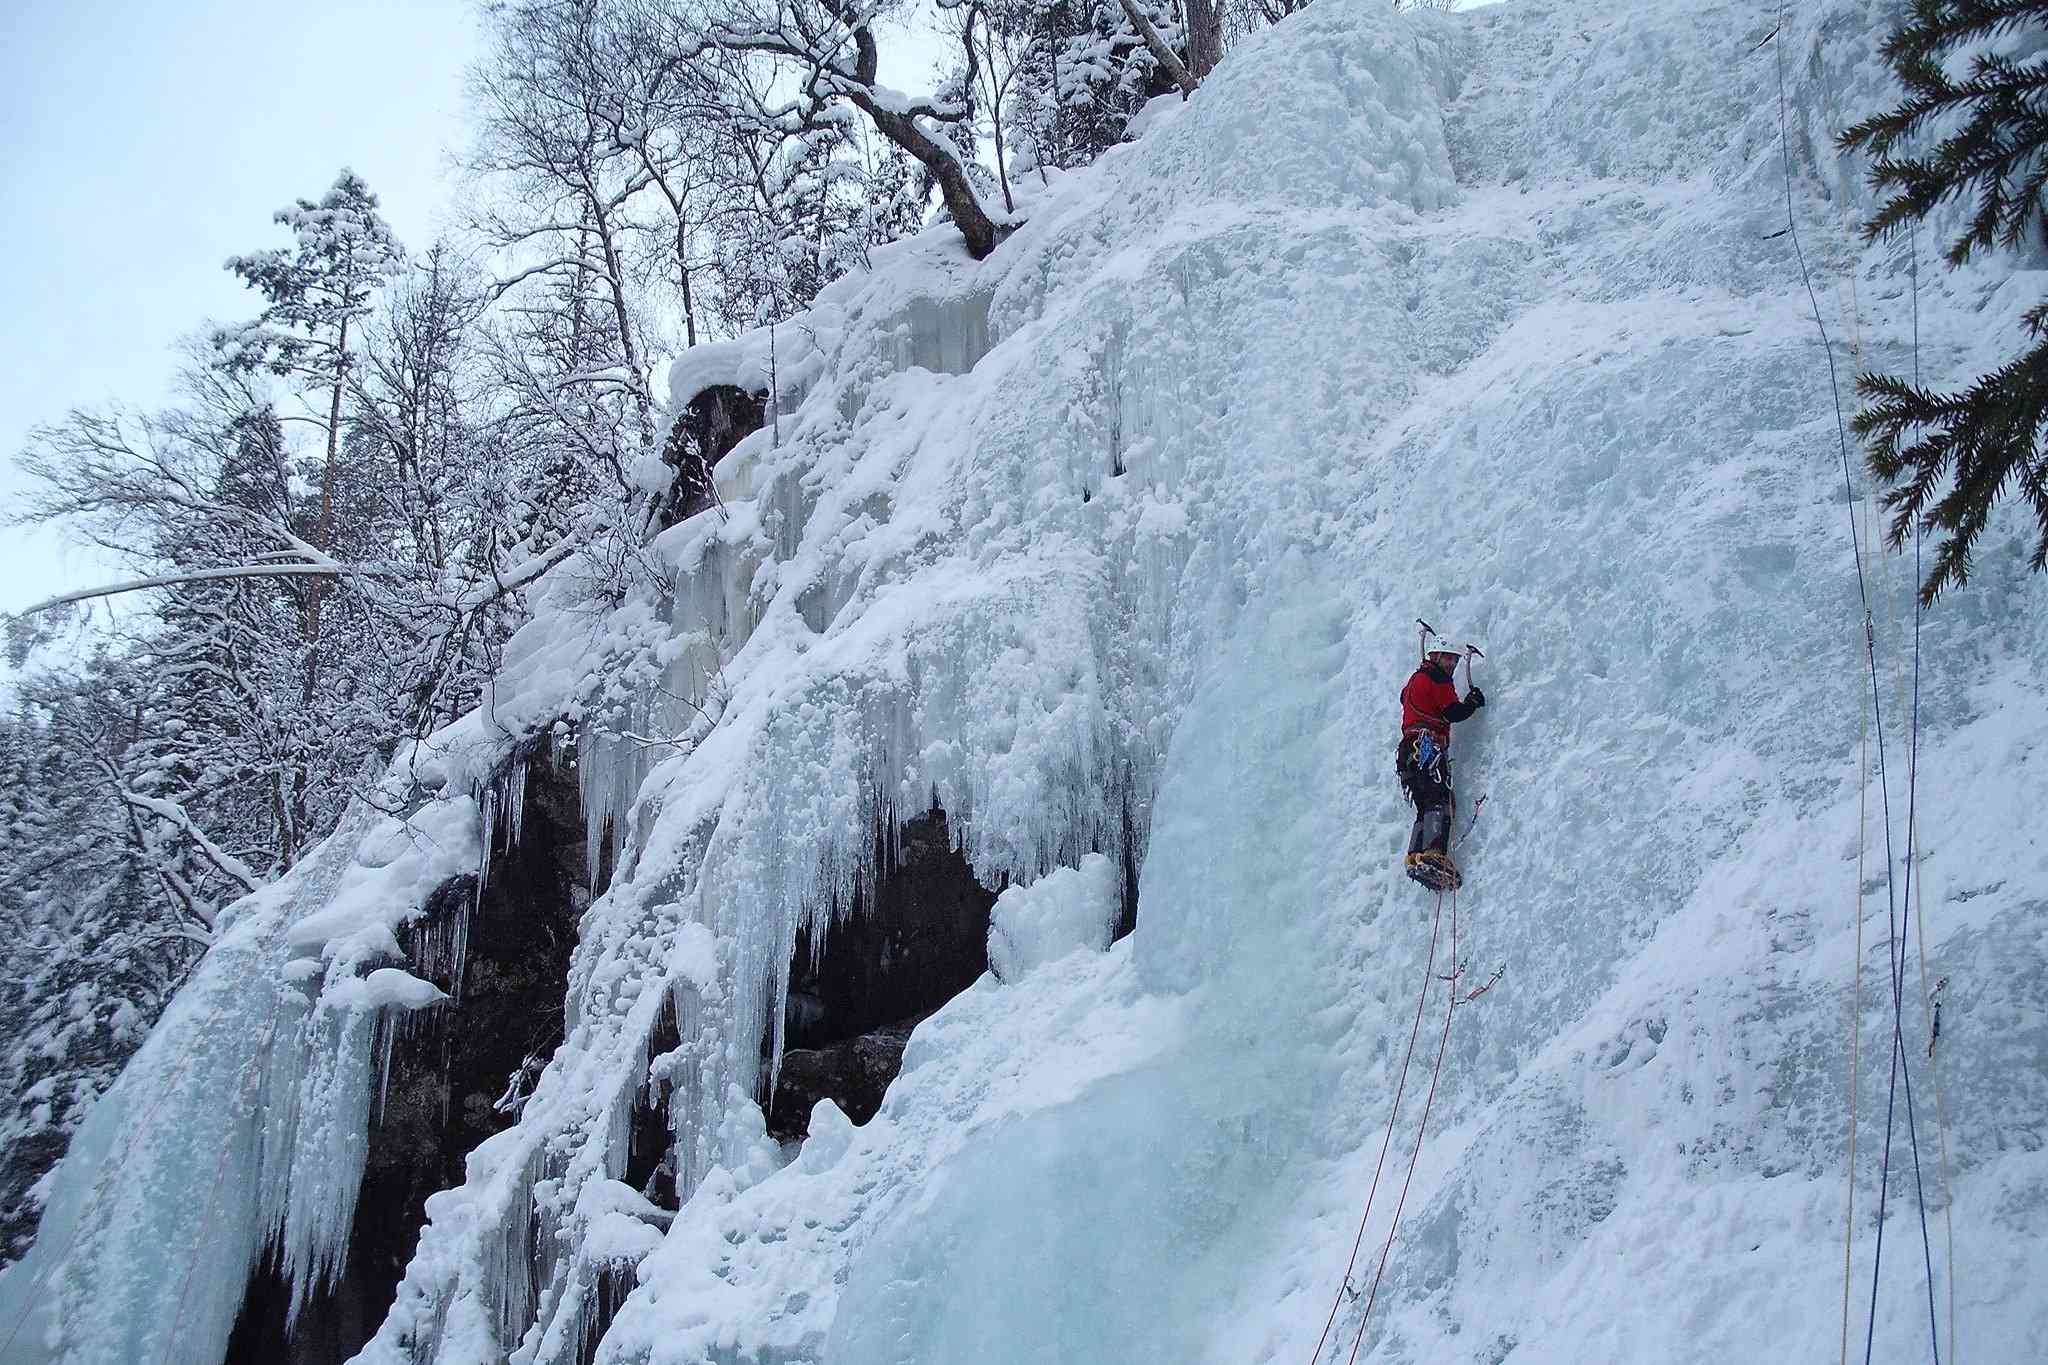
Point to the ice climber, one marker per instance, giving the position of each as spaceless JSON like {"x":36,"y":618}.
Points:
{"x":1429,"y":707}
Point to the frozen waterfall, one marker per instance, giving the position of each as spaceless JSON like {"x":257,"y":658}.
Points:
{"x":1111,"y":544}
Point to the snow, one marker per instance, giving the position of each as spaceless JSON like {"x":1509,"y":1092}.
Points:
{"x":1063,"y":912}
{"x":242,"y":1120}
{"x":738,"y":364}
{"x":385,"y":988}
{"x":1154,"y":111}
{"x":1113,"y":542}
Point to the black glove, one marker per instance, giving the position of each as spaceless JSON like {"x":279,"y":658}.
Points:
{"x":1474,"y":697}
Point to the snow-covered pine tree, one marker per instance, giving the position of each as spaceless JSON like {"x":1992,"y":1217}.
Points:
{"x":342,"y":253}
{"x":94,"y":941}
{"x":194,"y":500}
{"x":1085,"y":72}
{"x":1948,"y":457}
{"x":236,"y":750}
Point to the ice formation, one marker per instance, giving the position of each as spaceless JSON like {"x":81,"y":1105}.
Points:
{"x":1066,"y":911}
{"x":1112,"y":543}
{"x":242,"y":1123}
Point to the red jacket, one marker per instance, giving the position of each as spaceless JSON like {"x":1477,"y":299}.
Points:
{"x":1430,"y":702}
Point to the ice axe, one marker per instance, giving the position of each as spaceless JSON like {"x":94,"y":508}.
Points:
{"x":1472,"y":651}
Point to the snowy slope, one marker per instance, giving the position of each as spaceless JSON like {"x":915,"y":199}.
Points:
{"x":1121,"y":533}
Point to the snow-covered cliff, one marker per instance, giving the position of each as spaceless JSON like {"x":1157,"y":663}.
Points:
{"x":1112,"y":543}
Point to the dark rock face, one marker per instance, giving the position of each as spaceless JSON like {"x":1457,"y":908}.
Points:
{"x":922,"y":940}
{"x":650,"y":1145}
{"x":853,"y":1074}
{"x":1127,"y":898}
{"x":459,"y":1071}
{"x":715,"y":421}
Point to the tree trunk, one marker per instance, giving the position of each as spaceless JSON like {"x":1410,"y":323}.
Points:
{"x":969,"y":216}
{"x":614,"y":276}
{"x":683,"y":278}
{"x":995,"y":112}
{"x":323,"y":533}
{"x":1161,"y":53}
{"x":955,"y":188}
{"x":1205,"y":37}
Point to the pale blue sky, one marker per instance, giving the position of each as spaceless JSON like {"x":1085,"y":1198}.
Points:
{"x":142,"y":143}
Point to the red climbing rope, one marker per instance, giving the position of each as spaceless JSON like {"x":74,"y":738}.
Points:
{"x":1428,"y":973}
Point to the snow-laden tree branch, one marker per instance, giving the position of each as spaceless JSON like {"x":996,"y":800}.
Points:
{"x":1161,"y":53}
{"x":825,"y":52}
{"x":195,"y":576}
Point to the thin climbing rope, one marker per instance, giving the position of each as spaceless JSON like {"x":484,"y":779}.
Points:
{"x":1855,"y":1013}
{"x":1916,"y":899}
{"x":1895,"y":945}
{"x":1897,"y":953}
{"x":1919,"y":882}
{"x":1421,"y":1131}
{"x":1400,"y":1087}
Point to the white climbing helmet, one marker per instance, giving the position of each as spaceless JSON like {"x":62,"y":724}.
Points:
{"x":1436,"y":643}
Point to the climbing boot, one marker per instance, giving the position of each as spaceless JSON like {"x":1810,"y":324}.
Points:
{"x":1434,"y":870}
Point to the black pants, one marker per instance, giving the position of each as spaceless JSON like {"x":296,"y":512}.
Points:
{"x":1424,"y":767}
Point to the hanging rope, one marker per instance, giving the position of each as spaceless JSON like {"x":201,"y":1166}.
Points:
{"x":1919,"y":883}
{"x":1400,"y":1087}
{"x":1421,"y":1130}
{"x":1916,"y":899}
{"x":1895,"y":946}
{"x":1855,"y":1008}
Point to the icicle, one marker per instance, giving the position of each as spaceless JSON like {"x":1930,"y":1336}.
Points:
{"x":441,"y":944}
{"x":516,"y":798}
{"x":512,"y":1254}
{"x":386,"y":1037}
{"x":608,"y":773}
{"x":487,"y":806}
{"x":328,"y":1154}
{"x":460,"y":957}
{"x":945,"y":336}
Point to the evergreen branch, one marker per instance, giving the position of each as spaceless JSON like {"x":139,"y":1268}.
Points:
{"x":1977,"y":443}
{"x":1949,"y":457}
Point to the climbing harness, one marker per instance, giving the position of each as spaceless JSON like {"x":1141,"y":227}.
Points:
{"x":1429,"y":755}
